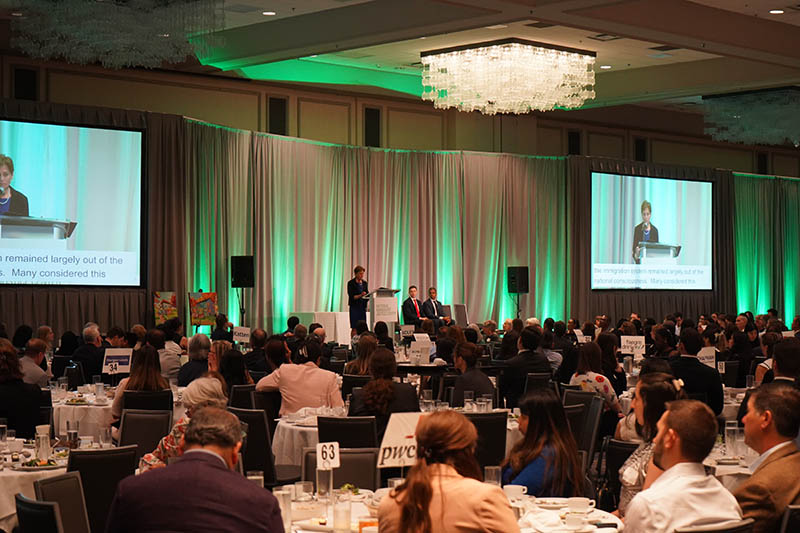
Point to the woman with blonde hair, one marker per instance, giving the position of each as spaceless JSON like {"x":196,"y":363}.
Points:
{"x":367,"y":344}
{"x":443,"y":491}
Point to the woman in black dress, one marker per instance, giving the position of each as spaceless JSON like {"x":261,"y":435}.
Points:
{"x":356,"y":290}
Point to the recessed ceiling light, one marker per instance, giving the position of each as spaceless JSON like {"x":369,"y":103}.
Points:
{"x":776,"y":11}
{"x":605,"y":67}
{"x":16,"y":14}
{"x":268,"y":13}
{"x":496,"y":27}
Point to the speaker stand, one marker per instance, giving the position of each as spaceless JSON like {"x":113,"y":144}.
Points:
{"x":239,"y":295}
{"x":518,"y":309}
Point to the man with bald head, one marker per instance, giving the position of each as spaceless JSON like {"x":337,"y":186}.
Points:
{"x":256,"y":358}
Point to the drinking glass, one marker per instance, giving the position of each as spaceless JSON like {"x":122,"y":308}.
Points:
{"x":469,"y":405}
{"x":341,"y":511}
{"x":97,"y":379}
{"x":324,"y":484}
{"x":730,"y":436}
{"x":42,"y":447}
{"x":741,"y":447}
{"x":427,"y":394}
{"x":491,"y":475}
{"x":11,"y":434}
{"x":105,"y":437}
{"x":469,"y":395}
{"x":490,"y":398}
{"x":303,"y":490}
{"x":442,"y":406}
{"x":284,"y":498}
{"x":750,"y":381}
{"x":394,"y":482}
{"x":3,"y":432}
{"x":256,"y":476}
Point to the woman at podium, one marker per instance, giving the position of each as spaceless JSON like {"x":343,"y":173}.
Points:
{"x":12,"y":202}
{"x":644,"y":232}
{"x":356,"y":290}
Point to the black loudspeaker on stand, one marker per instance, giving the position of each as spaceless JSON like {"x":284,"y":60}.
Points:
{"x":518,"y":282}
{"x":242,"y":277}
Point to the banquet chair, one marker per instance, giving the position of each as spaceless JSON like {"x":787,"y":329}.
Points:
{"x":739,"y":526}
{"x":791,"y":519}
{"x":336,"y":366}
{"x":67,"y":491}
{"x":144,"y":428}
{"x":491,"y":428}
{"x":591,"y":428}
{"x":564,"y":387}
{"x":576,"y":397}
{"x":359,"y":466}
{"x":349,"y":432}
{"x":256,"y":375}
{"x":615,"y":453}
{"x":351,"y":380}
{"x":339,"y":354}
{"x":270,"y":403}
{"x":731,"y":374}
{"x":258,"y":454}
{"x":59,"y":364}
{"x":101,"y":471}
{"x":147,"y":400}
{"x":575,"y":415}
{"x":74,"y":375}
{"x":240,"y":396}
{"x":538,"y":380}
{"x":37,"y":517}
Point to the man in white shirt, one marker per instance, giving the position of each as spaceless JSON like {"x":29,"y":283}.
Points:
{"x":770,"y":427}
{"x":31,"y":371}
{"x":303,"y":385}
{"x":683,"y":495}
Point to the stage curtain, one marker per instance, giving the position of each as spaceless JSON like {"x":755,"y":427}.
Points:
{"x":586,"y":303}
{"x":65,"y":308}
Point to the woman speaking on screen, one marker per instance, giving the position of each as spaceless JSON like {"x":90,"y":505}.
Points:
{"x":644,"y":232}
{"x":12,"y":202}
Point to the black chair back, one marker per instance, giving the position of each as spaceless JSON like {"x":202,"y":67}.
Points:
{"x":358,"y":467}
{"x":144,"y":428}
{"x":46,"y":399}
{"x":791,"y":519}
{"x":350,"y":432}
{"x":147,"y":400}
{"x":59,"y":364}
{"x":537,"y":380}
{"x":337,"y":366}
{"x":257,"y":375}
{"x":491,"y":437}
{"x":101,"y":471}
{"x":731,"y":375}
{"x":258,"y":455}
{"x":351,"y":380}
{"x":74,"y":374}
{"x":38,"y":517}
{"x":575,"y":417}
{"x":578,"y":397}
{"x":616,"y":453}
{"x":270,"y":403}
{"x":699,"y":396}
{"x":439,"y":385}
{"x":739,"y":526}
{"x":67,"y":491}
{"x":339,"y":354}
{"x":591,"y":427}
{"x":239,"y":396}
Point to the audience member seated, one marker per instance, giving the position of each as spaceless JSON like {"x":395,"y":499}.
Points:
{"x":445,"y":346}
{"x":223,"y":330}
{"x":529,"y":360}
{"x":768,"y":342}
{"x":697,"y":377}
{"x":382,"y":333}
{"x":197,"y":365}
{"x":233,"y":369}
{"x":303,"y":385}
{"x":662,"y":343}
{"x":202,"y":392}
{"x":770,"y":428}
{"x":115,"y":336}
{"x":471,"y":378}
{"x":68,"y":344}
{"x":45,"y":333}
{"x":30,"y":363}
{"x":472,"y":334}
{"x":546,"y":459}
{"x":590,"y":378}
{"x":22,"y":335}
{"x":291,"y":323}
{"x":653,"y":392}
{"x":256,"y":359}
{"x":278,"y":352}
{"x":360,"y":329}
{"x":297,"y":341}
{"x":145,"y":375}
{"x":553,"y":357}
{"x":140,"y":332}
{"x":509,"y":345}
{"x":612,"y":370}
{"x":201,"y":492}
{"x":19,"y":401}
{"x":785,"y":368}
{"x":741,"y":350}
{"x":683,"y":495}
{"x":90,"y":353}
{"x":443,"y":491}
{"x":412,"y":308}
{"x":489,"y":331}
{"x":382,"y":396}
{"x":569,"y":353}
{"x":169,"y":361}
{"x":367,"y":344}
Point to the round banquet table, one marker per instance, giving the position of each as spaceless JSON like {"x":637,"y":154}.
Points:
{"x":13,"y":482}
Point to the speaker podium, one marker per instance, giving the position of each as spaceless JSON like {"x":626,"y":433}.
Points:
{"x":657,"y":253}
{"x":33,"y":233}
{"x":383,"y":307}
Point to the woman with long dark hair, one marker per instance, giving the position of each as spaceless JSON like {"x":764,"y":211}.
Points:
{"x":653,"y":391}
{"x":234,"y":370}
{"x":145,"y":376}
{"x":382,"y":396}
{"x":546,"y":459}
{"x":367,"y":344}
{"x":443,"y":491}
{"x":609,"y":344}
{"x":589,"y":376}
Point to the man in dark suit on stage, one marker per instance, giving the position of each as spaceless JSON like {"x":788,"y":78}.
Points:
{"x":433,"y":309}
{"x":201,"y":491}
{"x":412,"y":308}
{"x":644,"y":232}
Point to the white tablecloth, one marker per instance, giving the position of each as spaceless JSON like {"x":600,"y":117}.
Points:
{"x":730,"y":410}
{"x":91,"y":418}
{"x":729,"y":475}
{"x":13,"y":482}
{"x":289,"y":441}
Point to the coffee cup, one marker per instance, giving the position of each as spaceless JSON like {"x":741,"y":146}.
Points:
{"x":15,"y":445}
{"x":515,"y":492}
{"x":575,"y":520}
{"x":580,"y":505}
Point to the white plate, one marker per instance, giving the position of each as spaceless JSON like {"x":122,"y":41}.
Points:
{"x":551,"y":503}
{"x":36,"y":468}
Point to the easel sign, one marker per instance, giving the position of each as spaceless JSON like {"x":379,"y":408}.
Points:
{"x":583,"y":339}
{"x":708,"y":356}
{"x":117,"y":360}
{"x":633,"y":345}
{"x":241,"y":334}
{"x":399,"y":445}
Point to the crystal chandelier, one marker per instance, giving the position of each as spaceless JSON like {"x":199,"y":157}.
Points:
{"x":508,"y":76}
{"x":770,"y":116}
{"x":115,"y":33}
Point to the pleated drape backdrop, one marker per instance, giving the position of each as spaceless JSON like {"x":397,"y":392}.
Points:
{"x":309,"y":212}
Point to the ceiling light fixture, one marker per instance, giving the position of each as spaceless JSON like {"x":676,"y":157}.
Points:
{"x":268,"y":13}
{"x":776,"y":11}
{"x":508,"y":76}
{"x":605,"y":67}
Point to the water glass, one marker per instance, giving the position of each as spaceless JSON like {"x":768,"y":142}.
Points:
{"x":3,"y":433}
{"x":105,"y":438}
{"x":442,"y":406}
{"x":394,"y":482}
{"x":303,"y":490}
{"x":426,"y":406}
{"x":341,"y":511}
{"x":99,"y":393}
{"x":97,"y":379}
{"x":256,"y":476}
{"x":469,"y":405}
{"x":741,"y":447}
{"x":469,"y":395}
{"x":730,"y":436}
{"x":42,"y":447}
{"x":324,"y":484}
{"x":427,"y":395}
{"x":491,"y":475}
{"x":284,"y":498}
{"x":490,"y":398}
{"x":750,"y":381}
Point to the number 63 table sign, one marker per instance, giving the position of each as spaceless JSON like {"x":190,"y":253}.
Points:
{"x":328,"y":456}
